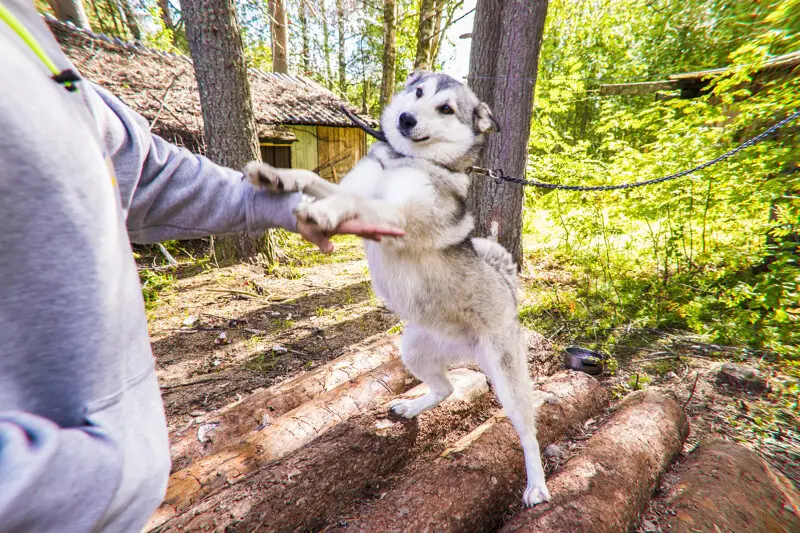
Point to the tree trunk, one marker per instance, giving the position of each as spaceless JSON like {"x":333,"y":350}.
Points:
{"x":389,"y":51}
{"x":440,"y":29}
{"x":340,"y":24}
{"x":503,"y":60}
{"x":115,"y":14}
{"x":98,"y":16}
{"x":70,"y":11}
{"x":305,"y":54}
{"x":215,"y":43}
{"x":166,"y":15}
{"x":130,"y":20}
{"x":326,"y":44}
{"x":427,"y":14}
{"x":280,"y":36}
{"x":608,"y":484}
{"x":433,"y":44}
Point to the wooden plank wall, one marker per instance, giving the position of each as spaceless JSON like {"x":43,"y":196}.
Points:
{"x":339,"y":149}
{"x":304,"y":150}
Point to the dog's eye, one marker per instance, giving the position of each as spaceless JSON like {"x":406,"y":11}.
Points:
{"x":446,"y":110}
{"x":419,"y":92}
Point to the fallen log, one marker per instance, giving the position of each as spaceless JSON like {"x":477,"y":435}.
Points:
{"x":472,"y":484}
{"x":723,"y":486}
{"x":316,"y":483}
{"x":286,"y":434}
{"x":605,"y":487}
{"x":232,"y":423}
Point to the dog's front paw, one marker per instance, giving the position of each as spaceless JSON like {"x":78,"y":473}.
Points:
{"x":264,"y":176}
{"x":315,"y":213}
{"x":404,"y":408}
{"x":535,"y":494}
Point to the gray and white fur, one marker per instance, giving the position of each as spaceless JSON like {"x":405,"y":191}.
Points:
{"x":456,"y":294}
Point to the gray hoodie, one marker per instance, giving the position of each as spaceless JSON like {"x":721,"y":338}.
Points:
{"x":83,"y":440}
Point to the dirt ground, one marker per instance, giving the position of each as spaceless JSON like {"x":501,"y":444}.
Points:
{"x":311,"y":308}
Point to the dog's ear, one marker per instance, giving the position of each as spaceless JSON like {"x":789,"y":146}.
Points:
{"x":415,"y":76}
{"x":483,"y":120}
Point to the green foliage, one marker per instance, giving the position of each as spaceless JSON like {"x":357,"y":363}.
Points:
{"x":638,"y":381}
{"x":712,"y":253}
{"x":162,"y":38}
{"x":153,"y":284}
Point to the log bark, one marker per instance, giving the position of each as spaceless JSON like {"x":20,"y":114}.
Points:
{"x":471,"y":485}
{"x":217,"y":53}
{"x":389,"y":51}
{"x":70,"y":11}
{"x":723,"y":486}
{"x":318,"y":482}
{"x":280,"y":36}
{"x":286,"y":434}
{"x":606,"y":486}
{"x":502,"y":72}
{"x":427,"y":15}
{"x":233,"y":423}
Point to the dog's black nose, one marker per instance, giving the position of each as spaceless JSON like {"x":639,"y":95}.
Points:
{"x":407,"y":121}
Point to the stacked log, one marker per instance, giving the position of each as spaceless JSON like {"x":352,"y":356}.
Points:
{"x":473,"y":483}
{"x":260,"y":408}
{"x":605,"y":487}
{"x":313,"y":485}
{"x":723,"y":486}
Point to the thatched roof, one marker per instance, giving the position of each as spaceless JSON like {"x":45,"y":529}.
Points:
{"x":161,"y":87}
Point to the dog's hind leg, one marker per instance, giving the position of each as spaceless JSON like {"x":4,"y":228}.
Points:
{"x":421,"y":353}
{"x":503,"y":359}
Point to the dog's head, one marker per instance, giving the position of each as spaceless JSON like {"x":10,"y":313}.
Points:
{"x":439,"y":119}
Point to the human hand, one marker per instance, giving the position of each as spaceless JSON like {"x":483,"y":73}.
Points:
{"x":315,"y":235}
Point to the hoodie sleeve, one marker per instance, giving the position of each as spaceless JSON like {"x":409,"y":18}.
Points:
{"x":170,"y":193}
{"x":54,"y":479}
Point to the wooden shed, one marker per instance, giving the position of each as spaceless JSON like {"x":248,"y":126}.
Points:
{"x":299,"y":122}
{"x":695,"y":84}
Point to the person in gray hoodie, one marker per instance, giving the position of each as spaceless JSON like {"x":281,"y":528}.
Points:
{"x":83,"y":437}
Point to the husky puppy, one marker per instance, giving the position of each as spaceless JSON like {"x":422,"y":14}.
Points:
{"x":456,"y":294}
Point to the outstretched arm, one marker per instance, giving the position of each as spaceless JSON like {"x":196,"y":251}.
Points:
{"x":170,"y":193}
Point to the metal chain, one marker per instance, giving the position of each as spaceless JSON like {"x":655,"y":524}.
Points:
{"x":498,"y":176}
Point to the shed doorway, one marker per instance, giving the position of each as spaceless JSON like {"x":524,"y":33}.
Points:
{"x":277,"y":156}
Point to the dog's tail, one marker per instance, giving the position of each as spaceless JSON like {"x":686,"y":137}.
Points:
{"x":497,"y":257}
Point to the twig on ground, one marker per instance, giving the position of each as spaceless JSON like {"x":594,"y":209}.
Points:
{"x":239,"y":293}
{"x":691,"y":394}
{"x":553,"y":336}
{"x":168,"y":256}
{"x":193,"y":382}
{"x":155,"y":268}
{"x":650,"y":360}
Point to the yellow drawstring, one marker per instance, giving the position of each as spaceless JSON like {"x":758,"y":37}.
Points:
{"x":66,"y":77}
